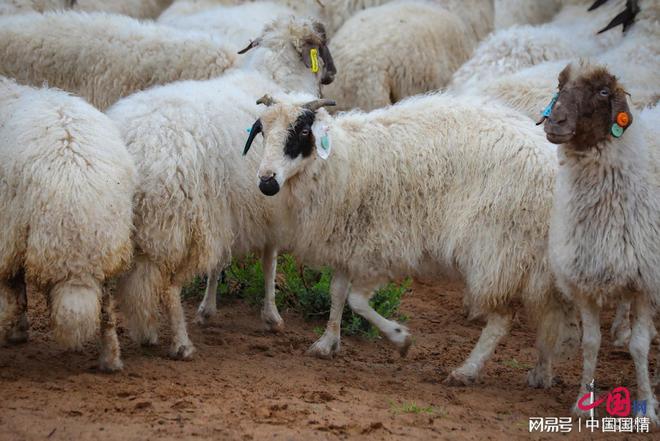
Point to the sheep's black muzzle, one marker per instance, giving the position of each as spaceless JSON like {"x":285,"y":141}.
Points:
{"x":269,"y":186}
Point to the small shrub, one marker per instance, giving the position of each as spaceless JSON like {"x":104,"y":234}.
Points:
{"x":302,"y":289}
{"x":411,"y":407}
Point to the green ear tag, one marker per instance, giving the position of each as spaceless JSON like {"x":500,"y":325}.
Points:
{"x":325,"y":143}
{"x":617,"y":130}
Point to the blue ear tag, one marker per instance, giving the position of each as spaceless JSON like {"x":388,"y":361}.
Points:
{"x":548,"y":110}
{"x":249,"y":130}
{"x":617,"y":130}
{"x":322,"y":140}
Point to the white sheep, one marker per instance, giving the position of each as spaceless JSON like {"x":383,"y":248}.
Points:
{"x":436,"y":186}
{"x":233,"y":25}
{"x":605,"y":227}
{"x":10,"y":7}
{"x":572,"y":33}
{"x":378,"y":67}
{"x":103,"y":57}
{"x":181,"y":8}
{"x":66,"y":187}
{"x":522,"y":12}
{"x":133,"y":8}
{"x":635,"y":60}
{"x":195,"y":206}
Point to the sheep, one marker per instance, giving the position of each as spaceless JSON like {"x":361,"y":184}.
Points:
{"x":332,"y":13}
{"x":572,"y":33}
{"x":66,"y":187}
{"x":634,"y":60}
{"x":522,"y":12}
{"x":233,"y":24}
{"x":605,"y":224}
{"x":436,"y":186}
{"x":133,"y":8}
{"x":181,"y":8}
{"x":9,"y":7}
{"x":103,"y":57}
{"x":195,"y":207}
{"x":384,"y":68}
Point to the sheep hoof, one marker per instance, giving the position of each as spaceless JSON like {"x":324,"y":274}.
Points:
{"x":145,"y":337}
{"x":273,"y":322}
{"x":203,"y":317}
{"x":182,"y":352}
{"x":324,"y":348}
{"x":622,"y":338}
{"x":111,"y":365}
{"x":18,"y":336}
{"x":538,"y":380}
{"x":402,"y":339}
{"x":457,"y":378}
{"x":405,"y":347}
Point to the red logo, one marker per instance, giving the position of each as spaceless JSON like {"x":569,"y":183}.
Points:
{"x":618,"y":402}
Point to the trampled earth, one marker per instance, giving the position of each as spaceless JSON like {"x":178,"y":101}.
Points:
{"x":248,"y":384}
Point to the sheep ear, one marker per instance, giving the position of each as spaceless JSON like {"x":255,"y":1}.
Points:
{"x":252,"y":45}
{"x":329,"y":69}
{"x":254,"y":131}
{"x":625,"y":18}
{"x":621,"y":116}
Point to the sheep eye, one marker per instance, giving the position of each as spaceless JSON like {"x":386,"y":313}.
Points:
{"x":604,"y":92}
{"x":304,"y":132}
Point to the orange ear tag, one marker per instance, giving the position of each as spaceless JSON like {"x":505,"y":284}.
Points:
{"x":622,"y":119}
{"x":314,"y":57}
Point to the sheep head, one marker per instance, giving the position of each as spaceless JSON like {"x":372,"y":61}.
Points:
{"x":590,"y":107}
{"x":290,"y":134}
{"x":309,"y":39}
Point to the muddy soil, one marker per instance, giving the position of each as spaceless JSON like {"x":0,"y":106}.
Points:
{"x":248,"y":384}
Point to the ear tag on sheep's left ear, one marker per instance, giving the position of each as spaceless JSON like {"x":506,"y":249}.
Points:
{"x":548,"y":110}
{"x":314,"y":57}
{"x":622,"y":122}
{"x":322,"y":140}
{"x":617,"y":130}
{"x":545,"y":113}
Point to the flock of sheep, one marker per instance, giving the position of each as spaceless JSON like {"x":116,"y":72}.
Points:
{"x":125,"y":160}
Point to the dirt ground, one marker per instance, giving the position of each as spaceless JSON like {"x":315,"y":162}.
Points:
{"x":248,"y":384}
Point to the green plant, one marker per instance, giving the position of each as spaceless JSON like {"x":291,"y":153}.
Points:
{"x":302,"y":289}
{"x":411,"y":407}
{"x":194,"y":290}
{"x":515,"y":364}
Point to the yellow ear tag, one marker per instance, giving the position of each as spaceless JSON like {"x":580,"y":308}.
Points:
{"x":314,"y":57}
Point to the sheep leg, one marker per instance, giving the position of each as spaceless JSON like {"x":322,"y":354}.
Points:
{"x":329,"y":343}
{"x":269,"y":314}
{"x":590,"y":315}
{"x":497,"y":327}
{"x":181,"y":348}
{"x":640,"y":343}
{"x":208,"y":308}
{"x":19,"y":333}
{"x":358,"y":299}
{"x":621,"y":325}
{"x":8,"y":311}
{"x":110,"y":356}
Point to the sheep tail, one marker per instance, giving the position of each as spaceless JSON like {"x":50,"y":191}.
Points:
{"x":75,"y":312}
{"x":139,"y":300}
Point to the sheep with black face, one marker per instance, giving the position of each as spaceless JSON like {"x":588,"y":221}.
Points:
{"x":195,"y":205}
{"x":605,"y":227}
{"x":413,"y":189}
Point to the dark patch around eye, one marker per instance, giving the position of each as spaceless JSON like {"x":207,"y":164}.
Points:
{"x":296,"y":143}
